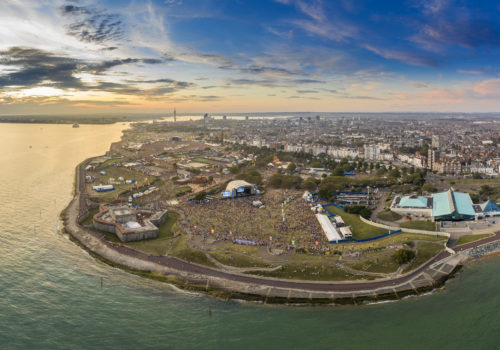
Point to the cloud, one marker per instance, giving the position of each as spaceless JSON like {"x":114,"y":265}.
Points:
{"x":408,"y":57}
{"x":307,"y":91}
{"x":306,"y":81}
{"x":93,"y":25}
{"x":313,"y":9}
{"x":256,"y":82}
{"x":465,"y":32}
{"x":37,"y":68}
{"x":319,"y":23}
{"x":433,"y":6}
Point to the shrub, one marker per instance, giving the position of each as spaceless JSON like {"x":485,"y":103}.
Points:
{"x":403,"y":256}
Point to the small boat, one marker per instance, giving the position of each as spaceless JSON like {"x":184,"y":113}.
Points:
{"x":76,"y":125}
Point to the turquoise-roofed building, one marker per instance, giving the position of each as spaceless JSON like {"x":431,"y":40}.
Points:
{"x":453,"y":206}
{"x":442,"y":206}
{"x":412,"y":205}
{"x":413,"y":202}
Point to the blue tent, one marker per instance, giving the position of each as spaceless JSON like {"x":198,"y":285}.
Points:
{"x":490,"y":206}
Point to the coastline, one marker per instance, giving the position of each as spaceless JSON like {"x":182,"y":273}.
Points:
{"x":224,"y":285}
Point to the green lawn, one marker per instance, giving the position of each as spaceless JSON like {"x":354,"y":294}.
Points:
{"x":240,"y":248}
{"x":309,"y":271}
{"x":158,"y":246}
{"x":89,"y":219}
{"x":388,"y":215}
{"x":477,"y":182}
{"x":181,"y":250}
{"x":394,"y":239}
{"x":360,"y":230}
{"x":384,"y":264}
{"x":425,"y":251}
{"x":237,"y":260}
{"x":420,"y":225}
{"x":472,"y":238}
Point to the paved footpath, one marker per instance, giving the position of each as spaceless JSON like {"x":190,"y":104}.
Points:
{"x":426,"y":275}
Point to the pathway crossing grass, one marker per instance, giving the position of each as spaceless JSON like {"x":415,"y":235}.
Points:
{"x":425,"y":251}
{"x":310,"y":271}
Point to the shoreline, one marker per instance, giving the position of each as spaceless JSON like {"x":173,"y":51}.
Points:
{"x":431,"y":276}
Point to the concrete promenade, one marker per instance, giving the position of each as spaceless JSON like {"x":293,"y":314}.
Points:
{"x":183,"y":273}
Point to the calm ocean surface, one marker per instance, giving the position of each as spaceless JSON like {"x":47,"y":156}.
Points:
{"x":51,"y":295}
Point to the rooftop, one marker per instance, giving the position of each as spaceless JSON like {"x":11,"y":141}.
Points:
{"x":413,"y":202}
{"x":449,"y":202}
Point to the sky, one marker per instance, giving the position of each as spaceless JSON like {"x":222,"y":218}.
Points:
{"x":222,"y":56}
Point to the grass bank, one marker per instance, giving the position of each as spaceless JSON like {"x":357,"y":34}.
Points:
{"x":160,"y":245}
{"x":472,"y":238}
{"x":388,"y":215}
{"x":181,"y":250}
{"x":315,"y":271}
{"x":237,"y":260}
{"x":420,"y":225}
{"x":360,"y":230}
{"x":425,"y":251}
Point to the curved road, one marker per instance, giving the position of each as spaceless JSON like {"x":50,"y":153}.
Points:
{"x":78,"y":208}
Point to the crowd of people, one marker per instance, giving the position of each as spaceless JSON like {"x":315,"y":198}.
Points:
{"x":286,"y":222}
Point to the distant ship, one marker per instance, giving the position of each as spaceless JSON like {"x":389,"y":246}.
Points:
{"x":76,"y":125}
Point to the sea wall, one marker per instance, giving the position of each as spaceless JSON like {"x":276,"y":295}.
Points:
{"x":484,"y":249}
{"x":205,"y":279}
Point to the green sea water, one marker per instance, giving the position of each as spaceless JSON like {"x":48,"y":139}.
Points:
{"x":51,"y":295}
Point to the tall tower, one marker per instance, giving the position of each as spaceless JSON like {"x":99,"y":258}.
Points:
{"x":175,"y":116}
{"x":435,"y":142}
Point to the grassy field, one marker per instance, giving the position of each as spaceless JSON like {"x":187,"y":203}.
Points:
{"x":116,"y":172}
{"x":237,"y":260}
{"x":388,"y":215}
{"x":477,"y":182}
{"x":360,"y":230}
{"x":395,"y":239}
{"x":89,"y":219}
{"x":425,"y":251}
{"x":240,"y":248}
{"x":310,"y":271}
{"x":180,"y":249}
{"x":420,"y":225}
{"x":472,"y":238}
{"x":158,"y":246}
{"x":385,"y":264}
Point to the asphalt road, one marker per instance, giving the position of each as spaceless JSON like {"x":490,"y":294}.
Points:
{"x":182,"y":265}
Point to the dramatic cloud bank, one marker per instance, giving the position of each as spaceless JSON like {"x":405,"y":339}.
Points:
{"x":316,"y":55}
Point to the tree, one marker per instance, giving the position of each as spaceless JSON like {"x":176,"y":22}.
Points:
{"x":284,"y":181}
{"x":486,"y":191}
{"x":200,"y":196}
{"x":291,"y":168}
{"x":252,"y":176}
{"x":429,"y":188}
{"x":359,"y":209}
{"x":316,"y":164}
{"x":338,"y":171}
{"x":381,"y":171}
{"x":403,"y":256}
{"x":394,"y":173}
{"x":310,"y":184}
